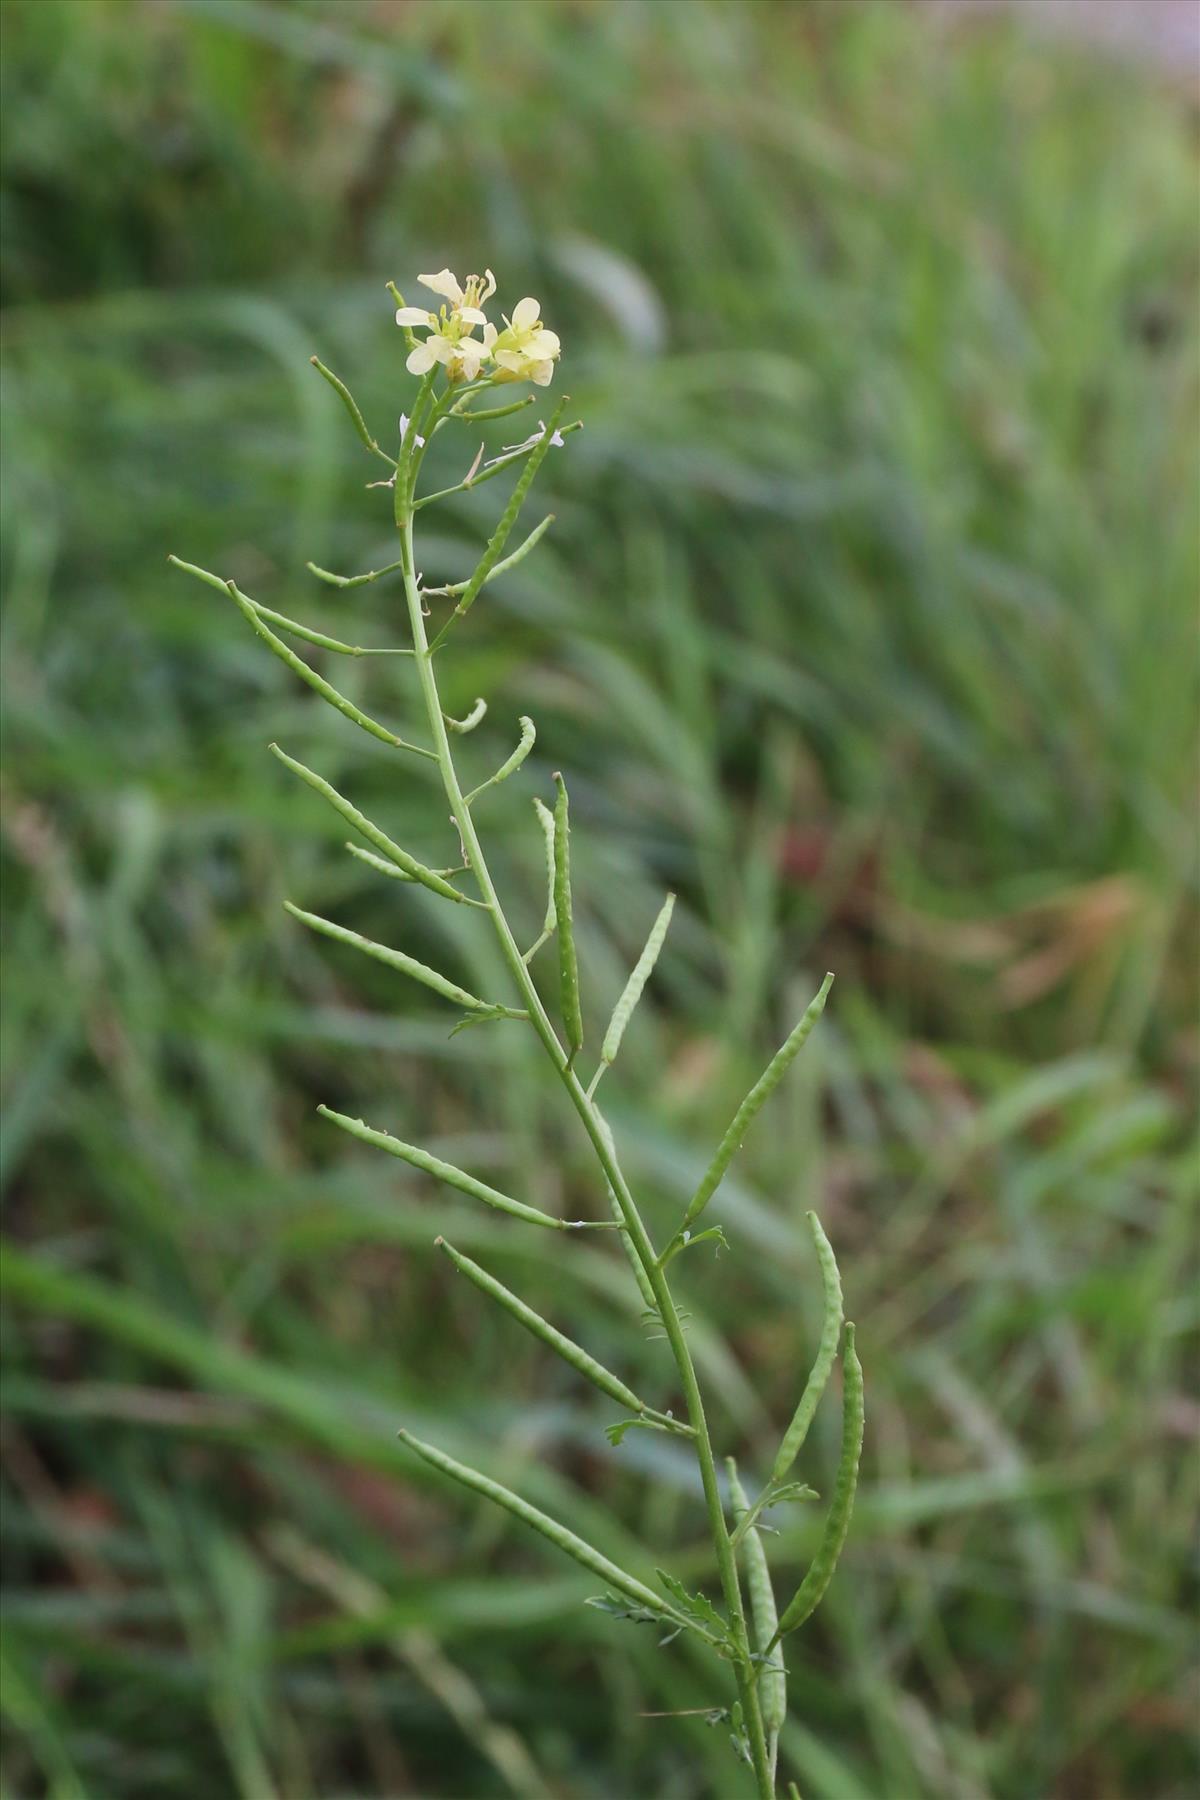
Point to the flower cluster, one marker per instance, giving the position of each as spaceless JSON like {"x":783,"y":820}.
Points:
{"x":523,"y":351}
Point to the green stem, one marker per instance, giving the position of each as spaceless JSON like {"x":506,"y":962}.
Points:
{"x":631,"y":1218}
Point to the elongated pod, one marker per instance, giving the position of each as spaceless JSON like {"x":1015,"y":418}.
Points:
{"x":556,"y":1534}
{"x":811,"y":1592}
{"x":640,"y":975}
{"x":533,"y":1322}
{"x":568,"y":965}
{"x":772,"y":1681}
{"x":831,"y":1330}
{"x":759,"y":1094}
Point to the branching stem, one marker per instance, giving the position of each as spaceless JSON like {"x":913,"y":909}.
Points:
{"x":593,"y":1125}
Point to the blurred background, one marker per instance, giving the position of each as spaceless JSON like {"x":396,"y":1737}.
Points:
{"x":866,"y":623}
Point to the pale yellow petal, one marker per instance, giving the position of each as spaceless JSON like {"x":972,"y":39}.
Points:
{"x":421,"y":360}
{"x":526,"y":314}
{"x":414,"y":315}
{"x":445,"y":284}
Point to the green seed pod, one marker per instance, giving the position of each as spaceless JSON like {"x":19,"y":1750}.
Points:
{"x":831,"y":1331}
{"x":473,"y":718}
{"x":546,"y":820}
{"x":394,"y":959}
{"x":568,"y":967}
{"x":772,"y":1680}
{"x":351,"y":405}
{"x":443,"y":1171}
{"x":642,"y":970}
{"x":528,"y":738}
{"x":522,"y":550}
{"x":508,"y":519}
{"x":541,"y":1328}
{"x":550,"y":1529}
{"x":427,"y":877}
{"x":763,"y":1088}
{"x":811,"y":1591}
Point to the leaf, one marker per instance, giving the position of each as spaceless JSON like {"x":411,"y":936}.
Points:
{"x":621,"y":1609}
{"x":698,"y":1608}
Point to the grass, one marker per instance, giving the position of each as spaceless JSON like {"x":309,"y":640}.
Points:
{"x":865,"y":624}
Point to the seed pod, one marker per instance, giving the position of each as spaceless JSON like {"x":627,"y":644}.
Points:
{"x":633,"y":987}
{"x":567,"y":1348}
{"x":443,"y":1171}
{"x":427,"y":877}
{"x":763,"y":1088}
{"x":568,"y":966}
{"x":528,"y":735}
{"x":508,"y":519}
{"x":772,"y":1680}
{"x":395,"y":959}
{"x":831,"y":1330}
{"x":550,"y":1528}
{"x":811,"y":1592}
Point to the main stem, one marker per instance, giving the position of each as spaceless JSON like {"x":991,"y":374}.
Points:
{"x":639,"y":1237}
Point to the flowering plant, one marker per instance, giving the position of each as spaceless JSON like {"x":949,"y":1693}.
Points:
{"x":456,"y":368}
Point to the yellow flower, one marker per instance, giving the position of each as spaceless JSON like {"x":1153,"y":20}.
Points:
{"x":525,"y":351}
{"x":450,"y":341}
